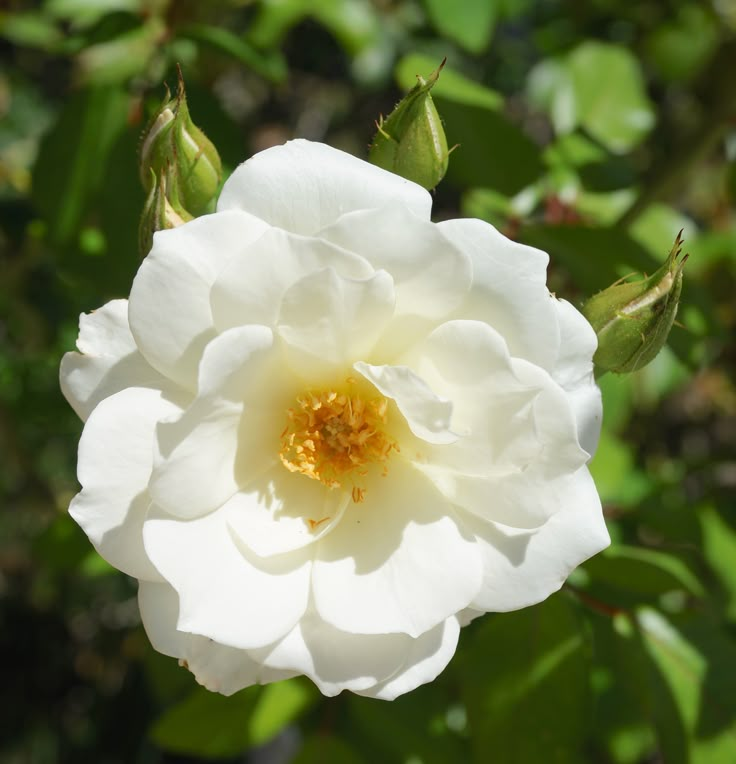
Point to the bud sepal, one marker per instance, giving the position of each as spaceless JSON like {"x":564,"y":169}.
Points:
{"x":633,"y":318}
{"x":411,"y":141}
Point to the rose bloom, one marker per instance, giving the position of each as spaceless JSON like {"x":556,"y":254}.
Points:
{"x":324,"y":432}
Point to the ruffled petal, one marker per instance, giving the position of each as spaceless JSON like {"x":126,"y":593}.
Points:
{"x":397,"y":562}
{"x":431,"y":275}
{"x":516,"y":424}
{"x":509,"y":290}
{"x":335,"y":660}
{"x":226,"y":593}
{"x":427,"y":415}
{"x":250,"y":288}
{"x":427,"y":657}
{"x":230,"y":433}
{"x":522,"y":568}
{"x":169,"y":309}
{"x":281,"y":511}
{"x":573,"y":371}
{"x":329,"y":321}
{"x":115,"y":458}
{"x":218,"y":668}
{"x":303,"y":187}
{"x":108,"y":361}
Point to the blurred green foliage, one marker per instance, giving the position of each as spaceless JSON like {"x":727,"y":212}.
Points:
{"x":594,"y":130}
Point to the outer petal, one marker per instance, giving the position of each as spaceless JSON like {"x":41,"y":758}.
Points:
{"x":427,"y":657}
{"x":169,"y":308}
{"x":115,"y":457}
{"x":397,"y":562}
{"x":218,"y":668}
{"x":509,"y":290}
{"x":108,"y":361}
{"x":230,"y":432}
{"x":335,"y":660}
{"x":431,"y":274}
{"x":523,"y":568}
{"x":303,"y":187}
{"x":224,"y":594}
{"x":250,"y":289}
{"x":573,"y":371}
{"x":329,"y":321}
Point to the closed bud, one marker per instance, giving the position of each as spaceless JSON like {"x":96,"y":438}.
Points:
{"x":411,"y":141}
{"x":162,"y":210}
{"x":174,"y":145}
{"x":633,"y":319}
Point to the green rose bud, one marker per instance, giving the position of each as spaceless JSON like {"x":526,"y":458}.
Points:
{"x":633,"y":319}
{"x":162,"y":210}
{"x":175,"y":146}
{"x":411,"y":142}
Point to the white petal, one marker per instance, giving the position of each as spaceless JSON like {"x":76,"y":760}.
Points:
{"x":509,"y":290}
{"x":330,"y":321}
{"x":427,"y":415}
{"x":169,"y":308}
{"x":431,"y":275}
{"x":108,"y":361}
{"x":523,"y":568}
{"x":397,"y":562}
{"x":303,"y":187}
{"x":230,"y":432}
{"x":517,"y":427}
{"x":335,"y":660}
{"x":428,"y":656}
{"x":249,"y":290}
{"x":115,"y":457}
{"x":573,"y":370}
{"x":281,"y":511}
{"x":218,"y":668}
{"x":225,"y":593}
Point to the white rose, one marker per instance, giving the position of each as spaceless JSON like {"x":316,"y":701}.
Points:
{"x":326,"y":432}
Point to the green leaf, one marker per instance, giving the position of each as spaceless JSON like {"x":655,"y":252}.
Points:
{"x":210,"y":725}
{"x":32,"y":29}
{"x":694,"y":660}
{"x":598,"y":86}
{"x":271,"y":66}
{"x":594,"y":254}
{"x":407,"y":727}
{"x":72,"y":160}
{"x":88,"y":12}
{"x":207,"y":724}
{"x":618,"y":114}
{"x":278,"y":705}
{"x":526,"y":685}
{"x":616,"y":478}
{"x":719,"y":548}
{"x":469,"y":23}
{"x":622,"y":719}
{"x":627,"y":575}
{"x":321,"y":749}
{"x":123,"y":57}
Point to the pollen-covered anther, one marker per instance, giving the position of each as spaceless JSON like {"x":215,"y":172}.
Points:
{"x":334,"y":437}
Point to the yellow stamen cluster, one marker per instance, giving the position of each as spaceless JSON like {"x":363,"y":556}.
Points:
{"x":334,"y":437}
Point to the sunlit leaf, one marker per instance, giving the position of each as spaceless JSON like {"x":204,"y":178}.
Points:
{"x":525,"y":684}
{"x":695,"y":661}
{"x":469,"y":23}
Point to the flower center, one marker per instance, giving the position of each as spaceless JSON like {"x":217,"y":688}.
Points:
{"x":334,"y":437}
